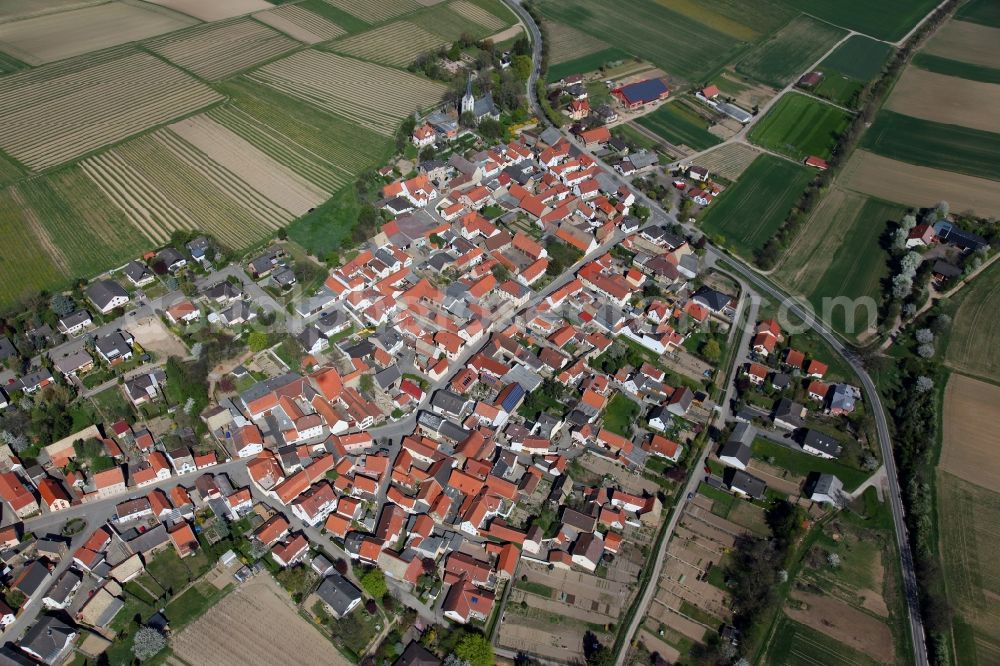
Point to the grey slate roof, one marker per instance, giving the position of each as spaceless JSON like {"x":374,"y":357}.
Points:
{"x":338,"y":593}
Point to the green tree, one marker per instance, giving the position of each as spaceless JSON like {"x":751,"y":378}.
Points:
{"x":258,"y":341}
{"x":373,"y":582}
{"x":711,"y":351}
{"x":366,"y":383}
{"x":475,"y":649}
{"x":521,"y":66}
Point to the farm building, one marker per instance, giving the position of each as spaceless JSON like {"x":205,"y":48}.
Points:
{"x":810,"y":80}
{"x":635,"y":95}
{"x":817,"y":163}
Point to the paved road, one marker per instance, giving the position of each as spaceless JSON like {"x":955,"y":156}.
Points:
{"x":871,"y":393}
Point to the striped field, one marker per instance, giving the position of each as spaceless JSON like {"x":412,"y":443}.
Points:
{"x":301,"y":24}
{"x":398,"y":43}
{"x":218,"y":50}
{"x":53,"y":114}
{"x":477,"y":14}
{"x":376,"y":11}
{"x":370,"y":95}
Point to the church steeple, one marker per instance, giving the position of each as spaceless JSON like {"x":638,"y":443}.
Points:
{"x":468,"y":101}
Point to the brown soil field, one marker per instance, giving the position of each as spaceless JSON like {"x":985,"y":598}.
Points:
{"x":566,"y":43}
{"x":968,"y":42}
{"x":154,"y":336}
{"x":655,"y":644}
{"x":259,"y":602}
{"x":510,"y":33}
{"x":215,"y":10}
{"x":947,"y":99}
{"x":844,"y":624}
{"x":57,"y":36}
{"x":729,"y":161}
{"x":13,"y":10}
{"x":971,"y":437}
{"x":912,"y":185}
{"x":300,"y":24}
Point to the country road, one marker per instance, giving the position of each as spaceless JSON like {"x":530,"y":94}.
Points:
{"x":751,"y":276}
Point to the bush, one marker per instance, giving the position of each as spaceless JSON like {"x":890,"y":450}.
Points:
{"x":147,"y":643}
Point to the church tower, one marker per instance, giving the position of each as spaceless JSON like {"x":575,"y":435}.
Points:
{"x":468,"y":101}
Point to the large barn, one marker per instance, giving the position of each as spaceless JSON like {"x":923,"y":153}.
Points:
{"x":639,"y":93}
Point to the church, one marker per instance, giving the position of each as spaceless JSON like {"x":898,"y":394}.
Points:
{"x":480,"y":108}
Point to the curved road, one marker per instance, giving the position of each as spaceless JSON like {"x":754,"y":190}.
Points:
{"x":871,"y":393}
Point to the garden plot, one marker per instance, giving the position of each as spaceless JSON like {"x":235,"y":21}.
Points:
{"x":477,"y":14}
{"x":398,"y":43}
{"x":728,"y":161}
{"x":219,"y":50}
{"x":51,"y":115}
{"x":376,"y":12}
{"x":53,"y":37}
{"x":257,"y":603}
{"x":370,"y":95}
{"x":214,"y":10}
{"x":301,"y":24}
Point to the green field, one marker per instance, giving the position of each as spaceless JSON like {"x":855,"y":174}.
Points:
{"x":732,"y":17}
{"x":444,"y":21}
{"x":785,"y":56}
{"x":838,"y":88}
{"x":10,"y":64}
{"x":795,"y":644}
{"x":804,"y":464}
{"x":838,"y":254}
{"x":963,"y":70}
{"x":587,"y":63}
{"x":748,"y":213}
{"x":858,"y":58}
{"x":975,"y":330}
{"x":620,"y":414}
{"x":968,"y":516}
{"x":800,"y":126}
{"x":680,"y":45}
{"x":927,"y":143}
{"x":884,"y":19}
{"x":984,"y":12}
{"x":679,"y":125}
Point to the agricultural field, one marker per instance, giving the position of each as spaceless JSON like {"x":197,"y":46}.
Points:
{"x":946,"y":99}
{"x":748,"y":213}
{"x":52,"y":37}
{"x":216,"y":10}
{"x":732,"y":18}
{"x":971,"y":448}
{"x":450,"y":21}
{"x":326,"y":150}
{"x":795,"y":644}
{"x":587,"y":63}
{"x":219,"y":50}
{"x":838,"y":253}
{"x":679,"y":45}
{"x":800,"y":126}
{"x":728,"y":161}
{"x":53,"y":114}
{"x":975,"y":330}
{"x":785,"y":56}
{"x":913,"y":185}
{"x":14,"y":10}
{"x":376,"y":12}
{"x":257,"y":602}
{"x":197,"y":175}
{"x":926,"y":143}
{"x":983,"y":12}
{"x":65,"y":228}
{"x":9,"y":64}
{"x":680,"y":125}
{"x":398,"y":44}
{"x":373,"y":96}
{"x":890,"y":20}
{"x":967,"y":42}
{"x":849,"y":68}
{"x":301,"y":24}
{"x":968,"y":516}
{"x":566,"y":43}
{"x":9,"y":171}
{"x":858,"y":58}
{"x":957,"y":68}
